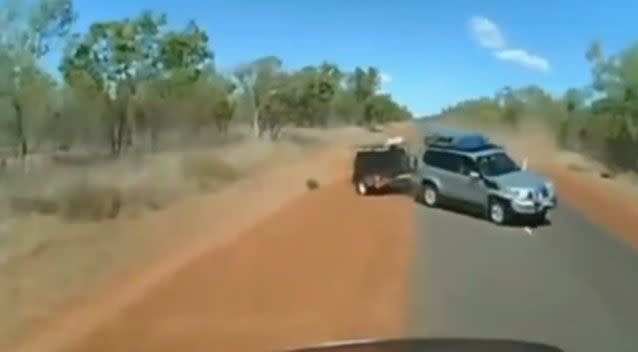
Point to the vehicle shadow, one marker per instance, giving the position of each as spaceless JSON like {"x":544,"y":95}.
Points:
{"x":392,"y":192}
{"x":409,"y":191}
{"x":400,"y":189}
{"x":517,"y":222}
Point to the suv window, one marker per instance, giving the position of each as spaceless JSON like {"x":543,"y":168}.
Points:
{"x":428,"y":157}
{"x":467,"y":165}
{"x":442,"y":160}
{"x":496,"y":164}
{"x":433,"y":158}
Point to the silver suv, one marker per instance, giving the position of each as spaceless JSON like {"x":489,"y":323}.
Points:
{"x":468,"y":170}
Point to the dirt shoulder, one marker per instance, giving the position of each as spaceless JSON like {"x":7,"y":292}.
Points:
{"x":330,"y":265}
{"x":55,"y":266}
{"x":239,"y":257}
{"x":611,"y":203}
{"x":607,"y":202}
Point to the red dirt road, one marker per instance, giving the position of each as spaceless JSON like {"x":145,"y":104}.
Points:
{"x":330,"y":265}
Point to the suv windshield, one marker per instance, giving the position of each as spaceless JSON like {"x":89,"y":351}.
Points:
{"x":496,"y":164}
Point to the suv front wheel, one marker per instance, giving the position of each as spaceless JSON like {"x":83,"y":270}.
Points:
{"x":498,"y":211}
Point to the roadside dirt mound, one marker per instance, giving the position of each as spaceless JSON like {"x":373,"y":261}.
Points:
{"x":330,"y":265}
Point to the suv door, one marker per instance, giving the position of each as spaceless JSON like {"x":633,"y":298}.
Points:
{"x":443,"y":167}
{"x":471,"y":190}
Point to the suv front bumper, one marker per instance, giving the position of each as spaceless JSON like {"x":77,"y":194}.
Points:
{"x":529,"y":207}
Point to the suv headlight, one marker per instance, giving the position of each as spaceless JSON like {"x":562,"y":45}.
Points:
{"x":519,"y":193}
{"x":550,"y":187}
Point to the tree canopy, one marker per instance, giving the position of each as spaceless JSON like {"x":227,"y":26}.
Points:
{"x":129,"y":82}
{"x":600,"y":119}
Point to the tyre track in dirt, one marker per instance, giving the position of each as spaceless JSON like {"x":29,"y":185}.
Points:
{"x":329,"y":265}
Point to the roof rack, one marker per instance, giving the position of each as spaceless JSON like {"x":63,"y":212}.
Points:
{"x":461,"y":141}
{"x":390,"y":143}
{"x":398,"y":140}
{"x":372,"y":147}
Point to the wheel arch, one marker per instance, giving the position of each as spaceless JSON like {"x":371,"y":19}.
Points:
{"x":498,"y":196}
{"x":431,"y":182}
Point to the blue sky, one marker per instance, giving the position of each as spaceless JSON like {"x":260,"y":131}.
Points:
{"x":432,"y":53}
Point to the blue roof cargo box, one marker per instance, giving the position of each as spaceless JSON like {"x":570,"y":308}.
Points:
{"x":471,"y":141}
{"x":466,"y":141}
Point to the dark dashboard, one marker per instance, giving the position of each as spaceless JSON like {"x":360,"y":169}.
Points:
{"x":433,"y":345}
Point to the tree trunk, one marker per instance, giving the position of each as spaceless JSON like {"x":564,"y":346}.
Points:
{"x":222,"y":125}
{"x":275,"y":132}
{"x":154,"y":139}
{"x":129,"y":134}
{"x":153,"y":123}
{"x":20,"y":129}
{"x":631,"y":126}
{"x":113,"y":142}
{"x":256,"y":124}
{"x":120,"y":132}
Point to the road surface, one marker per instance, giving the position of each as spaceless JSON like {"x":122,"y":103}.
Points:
{"x":570,"y":284}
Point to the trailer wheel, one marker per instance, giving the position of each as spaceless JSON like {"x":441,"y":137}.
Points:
{"x":361,"y":188}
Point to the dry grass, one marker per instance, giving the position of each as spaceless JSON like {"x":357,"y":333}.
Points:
{"x":65,"y":226}
{"x":97,"y":191}
{"x":208,"y":172}
{"x":80,"y":188}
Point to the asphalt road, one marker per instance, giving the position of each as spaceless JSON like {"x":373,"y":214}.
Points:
{"x":569,"y":284}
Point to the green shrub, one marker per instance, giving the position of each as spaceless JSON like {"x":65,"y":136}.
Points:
{"x":90,"y":202}
{"x":28,"y":205}
{"x":208,"y":171}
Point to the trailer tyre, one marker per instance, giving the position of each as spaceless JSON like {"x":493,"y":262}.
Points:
{"x":361,"y":188}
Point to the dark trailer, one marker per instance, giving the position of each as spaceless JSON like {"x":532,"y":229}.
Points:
{"x":381,"y":167}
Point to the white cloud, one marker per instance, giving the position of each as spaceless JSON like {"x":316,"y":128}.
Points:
{"x":385,"y":78}
{"x":487,"y":33}
{"x":523,"y":58}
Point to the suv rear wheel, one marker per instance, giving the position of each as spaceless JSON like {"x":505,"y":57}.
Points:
{"x":430,"y":195}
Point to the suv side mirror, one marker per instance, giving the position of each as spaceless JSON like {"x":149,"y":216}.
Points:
{"x":474,"y":175}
